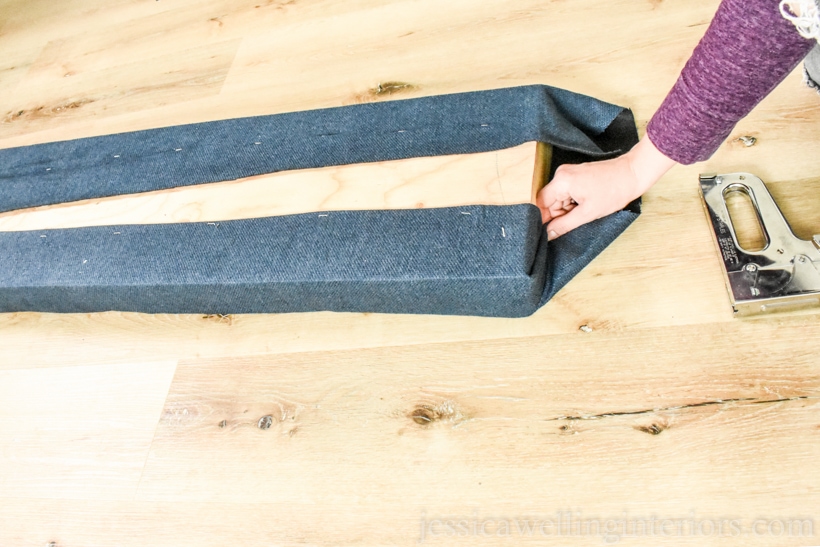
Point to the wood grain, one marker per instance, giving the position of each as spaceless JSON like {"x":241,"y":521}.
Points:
{"x":78,"y":432}
{"x":663,"y":405}
{"x":363,"y":445}
{"x":441,"y":412}
{"x":146,"y":83}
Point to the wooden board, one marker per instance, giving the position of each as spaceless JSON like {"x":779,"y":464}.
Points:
{"x":663,"y":405}
{"x":503,"y":177}
{"x":372,"y":446}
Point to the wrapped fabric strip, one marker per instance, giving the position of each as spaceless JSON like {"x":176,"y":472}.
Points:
{"x":477,"y":260}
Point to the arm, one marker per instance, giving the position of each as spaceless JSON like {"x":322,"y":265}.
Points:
{"x":747,"y":50}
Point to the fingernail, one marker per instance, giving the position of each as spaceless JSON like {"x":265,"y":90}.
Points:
{"x":552,"y":234}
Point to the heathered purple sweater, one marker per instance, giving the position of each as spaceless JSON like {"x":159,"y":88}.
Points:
{"x":747,"y":50}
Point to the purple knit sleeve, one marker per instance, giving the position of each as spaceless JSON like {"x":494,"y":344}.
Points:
{"x":747,"y":50}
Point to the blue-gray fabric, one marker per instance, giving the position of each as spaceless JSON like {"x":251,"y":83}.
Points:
{"x":477,"y":260}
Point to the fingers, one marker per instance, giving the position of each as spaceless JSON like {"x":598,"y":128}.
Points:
{"x":559,"y":208}
{"x":576,"y":217}
{"x":599,"y":188}
{"x":554,"y":199}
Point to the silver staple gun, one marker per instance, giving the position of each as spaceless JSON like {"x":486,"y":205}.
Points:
{"x":784,"y":274}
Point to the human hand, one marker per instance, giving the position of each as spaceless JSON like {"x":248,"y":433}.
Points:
{"x":578,"y":194}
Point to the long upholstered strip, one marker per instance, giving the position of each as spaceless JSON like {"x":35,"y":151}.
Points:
{"x":222,"y":150}
{"x":476,"y":260}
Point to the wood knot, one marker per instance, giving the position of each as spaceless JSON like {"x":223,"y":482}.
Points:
{"x":383,"y":89}
{"x":423,"y":415}
{"x":219,"y":317}
{"x":747,"y":140}
{"x":391,"y":88}
{"x":223,"y":424}
{"x":265,"y":422}
{"x":567,"y":429}
{"x":652,"y":429}
{"x":426,"y":414}
{"x":45,"y":111}
{"x":72,"y":105}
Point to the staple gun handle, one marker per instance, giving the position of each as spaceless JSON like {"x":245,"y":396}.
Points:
{"x":780,"y":239}
{"x":785,"y":273}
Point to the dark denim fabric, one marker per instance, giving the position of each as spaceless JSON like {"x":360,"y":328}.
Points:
{"x":448,"y":260}
{"x":215,"y":151}
{"x":478,"y":260}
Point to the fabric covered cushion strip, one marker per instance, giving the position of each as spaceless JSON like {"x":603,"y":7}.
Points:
{"x":175,"y":156}
{"x":478,"y":260}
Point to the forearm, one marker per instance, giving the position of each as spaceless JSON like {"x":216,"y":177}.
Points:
{"x":747,"y":50}
{"x":648,"y":164}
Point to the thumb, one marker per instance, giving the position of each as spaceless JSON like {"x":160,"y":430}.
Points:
{"x":565,"y":223}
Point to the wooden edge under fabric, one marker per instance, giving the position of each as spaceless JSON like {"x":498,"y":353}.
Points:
{"x":543,"y":161}
{"x":501,"y":177}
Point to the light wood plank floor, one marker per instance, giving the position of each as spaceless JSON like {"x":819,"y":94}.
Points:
{"x":664,"y":421}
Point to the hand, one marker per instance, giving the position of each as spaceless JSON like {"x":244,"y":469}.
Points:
{"x":582,"y":193}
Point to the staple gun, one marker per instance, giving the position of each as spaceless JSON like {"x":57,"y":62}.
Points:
{"x":784,"y":274}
